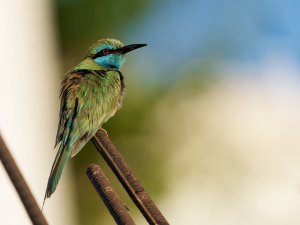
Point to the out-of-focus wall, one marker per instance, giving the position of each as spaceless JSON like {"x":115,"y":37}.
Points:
{"x":29,"y":82}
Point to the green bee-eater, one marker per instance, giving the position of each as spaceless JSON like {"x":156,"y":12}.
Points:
{"x":91,"y":93}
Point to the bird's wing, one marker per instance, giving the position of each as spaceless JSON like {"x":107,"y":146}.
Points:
{"x":69,"y":85}
{"x":99,"y":95}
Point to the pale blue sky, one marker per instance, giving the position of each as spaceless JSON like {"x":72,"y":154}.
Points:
{"x":237,"y":30}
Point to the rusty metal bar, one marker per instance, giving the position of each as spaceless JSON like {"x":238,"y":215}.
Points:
{"x":112,"y":201}
{"x":131,"y":184}
{"x":30,"y":204}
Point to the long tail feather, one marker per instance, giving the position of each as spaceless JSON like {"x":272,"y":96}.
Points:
{"x":60,"y":161}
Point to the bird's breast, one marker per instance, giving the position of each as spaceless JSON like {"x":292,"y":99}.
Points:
{"x":103,"y":96}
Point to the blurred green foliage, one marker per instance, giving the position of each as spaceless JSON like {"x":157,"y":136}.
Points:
{"x":81,"y":22}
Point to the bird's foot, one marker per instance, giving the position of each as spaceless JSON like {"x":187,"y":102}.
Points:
{"x":102,"y":129}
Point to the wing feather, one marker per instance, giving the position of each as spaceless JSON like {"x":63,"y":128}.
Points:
{"x":67,"y":101}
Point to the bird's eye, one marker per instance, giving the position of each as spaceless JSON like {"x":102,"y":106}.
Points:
{"x":105,"y":51}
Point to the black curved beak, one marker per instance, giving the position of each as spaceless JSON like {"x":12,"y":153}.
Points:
{"x":129,"y":48}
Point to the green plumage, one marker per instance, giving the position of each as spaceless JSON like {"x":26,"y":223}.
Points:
{"x":91,"y":93}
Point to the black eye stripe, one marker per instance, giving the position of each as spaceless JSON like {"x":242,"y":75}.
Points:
{"x":103,"y":52}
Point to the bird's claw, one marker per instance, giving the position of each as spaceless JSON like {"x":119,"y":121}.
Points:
{"x":102,"y":129}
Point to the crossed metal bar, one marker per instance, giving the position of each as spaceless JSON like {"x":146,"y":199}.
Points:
{"x":97,"y":177}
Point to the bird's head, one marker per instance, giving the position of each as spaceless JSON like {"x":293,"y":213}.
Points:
{"x":110,"y":53}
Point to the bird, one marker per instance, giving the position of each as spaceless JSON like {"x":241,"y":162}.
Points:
{"x":91,"y":93}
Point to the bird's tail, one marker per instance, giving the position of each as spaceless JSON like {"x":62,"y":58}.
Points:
{"x":58,"y":166}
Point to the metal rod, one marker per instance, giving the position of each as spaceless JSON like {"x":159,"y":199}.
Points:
{"x":112,"y":201}
{"x":30,"y":204}
{"x":131,"y":184}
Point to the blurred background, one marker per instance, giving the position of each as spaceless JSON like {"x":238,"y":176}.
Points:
{"x":210,"y":123}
